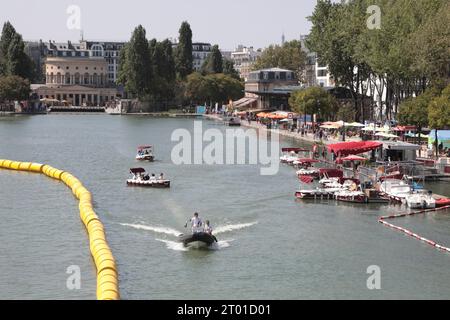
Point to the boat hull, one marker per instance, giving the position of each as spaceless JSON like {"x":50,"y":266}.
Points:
{"x":145,"y":158}
{"x":149,"y":184}
{"x":197,"y":240}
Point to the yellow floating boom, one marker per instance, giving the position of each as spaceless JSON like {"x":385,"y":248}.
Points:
{"x":107,"y":275}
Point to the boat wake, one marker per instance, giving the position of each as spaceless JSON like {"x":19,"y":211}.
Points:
{"x":163,"y":230}
{"x":232,"y":227}
{"x":178,"y":246}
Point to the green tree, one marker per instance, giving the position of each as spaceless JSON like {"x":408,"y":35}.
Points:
{"x":212,"y":88}
{"x":229,"y":70}
{"x":313,"y":100}
{"x":8,"y":32}
{"x":136,"y":72}
{"x":346,"y":113}
{"x":184,"y":59}
{"x":122,"y":69}
{"x":13,"y":59}
{"x":414,"y":111}
{"x":17,"y":62}
{"x":163,"y":70}
{"x":288,"y":56}
{"x":214,"y":62}
{"x":14,"y":88}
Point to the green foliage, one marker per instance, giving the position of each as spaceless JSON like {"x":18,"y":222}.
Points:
{"x":408,"y":53}
{"x":229,"y":70}
{"x":163,"y":69}
{"x":288,"y":56}
{"x":346,"y":113}
{"x":313,"y":100}
{"x":14,"y":88}
{"x":183,"y":53}
{"x":414,"y":111}
{"x":136,"y":71}
{"x":213,"y":88}
{"x":214,"y":62}
{"x":13,"y":59}
{"x":439,"y":110}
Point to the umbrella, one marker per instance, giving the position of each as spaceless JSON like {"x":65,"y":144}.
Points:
{"x":386,"y":135}
{"x":355,"y":124}
{"x":353,"y":158}
{"x":261,"y":115}
{"x":284,"y":120}
{"x":329,"y":126}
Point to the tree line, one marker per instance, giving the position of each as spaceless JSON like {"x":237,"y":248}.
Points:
{"x":16,"y":68}
{"x":163,"y":74}
{"x":407,"y":54}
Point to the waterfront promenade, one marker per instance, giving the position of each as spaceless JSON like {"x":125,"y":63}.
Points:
{"x":308,"y":137}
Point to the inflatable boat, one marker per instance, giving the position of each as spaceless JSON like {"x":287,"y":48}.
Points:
{"x":197,"y":240}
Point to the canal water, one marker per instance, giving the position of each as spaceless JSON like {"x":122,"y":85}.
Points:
{"x":270,"y":245}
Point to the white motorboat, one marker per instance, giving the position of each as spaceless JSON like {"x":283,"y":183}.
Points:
{"x":142,"y":179}
{"x":420,"y":200}
{"x":308,"y":172}
{"x":290,"y":155}
{"x":396,"y":189}
{"x":145,"y":153}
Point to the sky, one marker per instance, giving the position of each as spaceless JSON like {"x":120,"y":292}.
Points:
{"x":256,"y":23}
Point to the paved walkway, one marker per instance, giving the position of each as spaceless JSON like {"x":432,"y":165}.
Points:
{"x":286,"y":133}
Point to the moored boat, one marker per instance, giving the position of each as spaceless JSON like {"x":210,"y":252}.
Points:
{"x":420,"y":200}
{"x":395,"y":189}
{"x":315,"y":194}
{"x":351,"y":196}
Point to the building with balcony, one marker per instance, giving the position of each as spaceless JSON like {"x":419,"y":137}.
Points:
{"x":244,"y":58}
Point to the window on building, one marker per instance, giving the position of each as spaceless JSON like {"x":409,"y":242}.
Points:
{"x":322,"y":73}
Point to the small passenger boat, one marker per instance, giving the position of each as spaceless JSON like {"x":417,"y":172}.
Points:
{"x":145,"y":153}
{"x":143,"y":179}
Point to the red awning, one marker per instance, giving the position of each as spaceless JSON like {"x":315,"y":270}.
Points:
{"x":331,"y":173}
{"x":353,"y":147}
{"x":137,"y":170}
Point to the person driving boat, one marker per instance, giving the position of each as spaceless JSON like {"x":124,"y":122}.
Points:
{"x":196,"y":223}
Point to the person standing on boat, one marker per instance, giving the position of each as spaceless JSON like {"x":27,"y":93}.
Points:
{"x":196,"y":223}
{"x":208,"y":229}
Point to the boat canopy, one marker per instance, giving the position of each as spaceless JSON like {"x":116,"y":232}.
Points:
{"x":294,"y":150}
{"x":353,"y":158}
{"x":353,"y":147}
{"x":137,"y":170}
{"x":331,"y":173}
{"x":144,"y":147}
